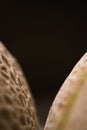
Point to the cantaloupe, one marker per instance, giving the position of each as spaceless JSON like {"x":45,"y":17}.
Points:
{"x":17,"y":109}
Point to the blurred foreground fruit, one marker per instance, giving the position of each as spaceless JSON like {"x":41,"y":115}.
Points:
{"x":69,"y":109}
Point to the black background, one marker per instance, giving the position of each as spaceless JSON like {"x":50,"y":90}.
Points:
{"x":47,"y":39}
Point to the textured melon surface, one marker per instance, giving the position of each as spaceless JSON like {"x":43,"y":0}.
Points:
{"x":69,"y":109}
{"x":17,"y":109}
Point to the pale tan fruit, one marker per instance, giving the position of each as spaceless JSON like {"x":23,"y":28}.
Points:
{"x":69,"y":109}
{"x":17,"y":109}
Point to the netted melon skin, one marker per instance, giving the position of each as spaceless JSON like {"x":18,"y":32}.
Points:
{"x":17,"y":109}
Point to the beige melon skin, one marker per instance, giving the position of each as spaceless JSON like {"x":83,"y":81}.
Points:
{"x":77,"y":116}
{"x":17,"y":109}
{"x":69,"y":109}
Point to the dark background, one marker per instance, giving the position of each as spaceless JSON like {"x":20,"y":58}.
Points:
{"x":47,"y":39}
